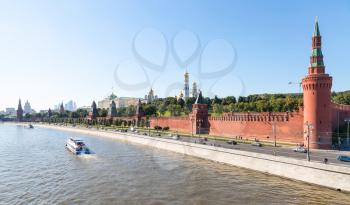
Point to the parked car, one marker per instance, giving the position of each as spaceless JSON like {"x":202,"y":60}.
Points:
{"x":343,"y":158}
{"x":176,"y":137}
{"x":201,"y":141}
{"x":257,"y":144}
{"x":300,"y":149}
{"x":231,"y":142}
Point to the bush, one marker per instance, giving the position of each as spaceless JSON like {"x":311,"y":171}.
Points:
{"x":157,"y":127}
{"x":165,"y":128}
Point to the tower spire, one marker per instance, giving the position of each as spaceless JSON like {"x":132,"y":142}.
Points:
{"x":19,"y":111}
{"x":317,"y":29}
{"x":316,"y":58}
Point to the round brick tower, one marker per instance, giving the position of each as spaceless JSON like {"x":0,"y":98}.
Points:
{"x":317,"y":98}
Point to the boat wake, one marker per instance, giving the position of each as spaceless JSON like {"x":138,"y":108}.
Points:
{"x":87,"y":156}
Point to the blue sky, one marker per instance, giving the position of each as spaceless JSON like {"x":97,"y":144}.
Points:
{"x":52,"y":51}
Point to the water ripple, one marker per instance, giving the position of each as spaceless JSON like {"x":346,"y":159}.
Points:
{"x":35,"y":168}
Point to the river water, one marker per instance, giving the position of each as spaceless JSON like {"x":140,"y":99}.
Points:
{"x":35,"y":168}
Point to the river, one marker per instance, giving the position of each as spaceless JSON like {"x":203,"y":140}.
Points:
{"x":35,"y":168}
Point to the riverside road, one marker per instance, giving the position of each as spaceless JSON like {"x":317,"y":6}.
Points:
{"x":315,"y":155}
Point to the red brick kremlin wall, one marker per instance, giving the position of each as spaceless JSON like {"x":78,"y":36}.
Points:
{"x":182,"y":124}
{"x":289,"y":126}
{"x":339,"y":114}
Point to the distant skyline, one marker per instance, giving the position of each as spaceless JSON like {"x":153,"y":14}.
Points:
{"x":53,"y":51}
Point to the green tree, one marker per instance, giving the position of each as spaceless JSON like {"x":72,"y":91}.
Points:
{"x":150,"y":109}
{"x":218,"y":109}
{"x":228,"y":100}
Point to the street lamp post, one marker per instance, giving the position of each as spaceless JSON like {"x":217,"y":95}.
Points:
{"x":347,"y":132}
{"x":274,"y":133}
{"x":308,"y":126}
{"x":192,"y":127}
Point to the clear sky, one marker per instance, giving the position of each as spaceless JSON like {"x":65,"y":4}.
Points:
{"x":53,"y":51}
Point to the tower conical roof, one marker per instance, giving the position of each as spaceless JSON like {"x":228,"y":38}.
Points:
{"x":316,"y":59}
{"x":199,"y":99}
{"x":317,"y":29}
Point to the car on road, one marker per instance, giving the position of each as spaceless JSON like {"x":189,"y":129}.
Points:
{"x":300,"y":149}
{"x":257,"y":144}
{"x":231,"y":142}
{"x":200,"y":141}
{"x":176,"y":137}
{"x":343,"y":158}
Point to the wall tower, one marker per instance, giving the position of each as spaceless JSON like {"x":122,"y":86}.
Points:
{"x":317,"y":97}
{"x":19,"y":111}
{"x":199,"y":116}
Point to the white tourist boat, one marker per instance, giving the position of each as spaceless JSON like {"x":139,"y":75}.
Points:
{"x":77,"y":146}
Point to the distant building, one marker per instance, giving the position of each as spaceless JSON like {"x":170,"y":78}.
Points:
{"x":87,"y":108}
{"x":70,"y":106}
{"x":119,"y":101}
{"x":10,"y":111}
{"x":61,"y":108}
{"x":180,"y":96}
{"x":105,"y":103}
{"x":43,"y":111}
{"x":186,"y":86}
{"x":194,"y":89}
{"x":27,"y":108}
{"x":150,"y":97}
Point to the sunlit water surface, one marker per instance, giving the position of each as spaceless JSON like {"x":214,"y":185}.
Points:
{"x":35,"y":168}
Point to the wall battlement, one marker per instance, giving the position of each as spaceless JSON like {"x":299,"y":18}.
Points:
{"x":255,"y":116}
{"x":341,"y":107}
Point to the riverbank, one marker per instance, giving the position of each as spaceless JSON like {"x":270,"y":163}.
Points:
{"x":328,"y":175}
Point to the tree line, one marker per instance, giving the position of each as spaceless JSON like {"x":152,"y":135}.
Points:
{"x":171,"y":106}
